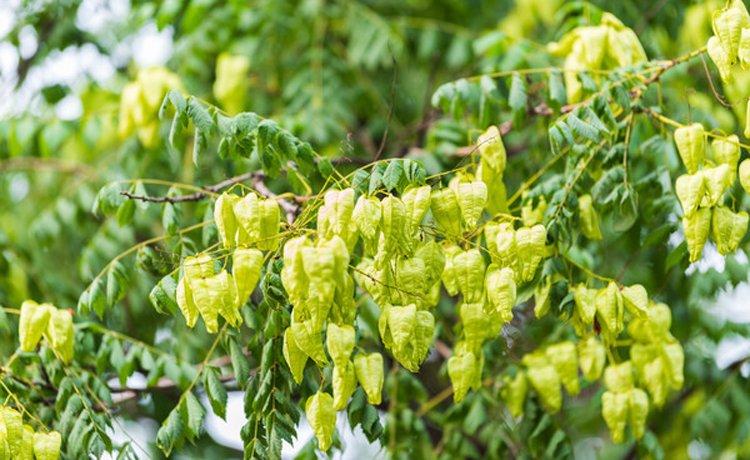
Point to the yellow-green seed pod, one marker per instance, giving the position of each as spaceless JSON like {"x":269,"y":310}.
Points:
{"x":47,"y":445}
{"x":728,"y":229}
{"x":592,"y":356}
{"x":534,"y":214}
{"x":640,"y":355}
{"x":433,"y":256}
{"x":335,"y":216}
{"x":322,"y":417}
{"x":186,"y":302}
{"x":247,"y":213}
{"x":320,"y":267}
{"x":472,"y":199}
{"x":411,"y":275}
{"x":530,"y":243}
{"x":295,"y":357}
{"x":696,"y":230}
{"x":501,"y":291}
{"x":344,"y":306}
{"x":293,"y":275}
{"x":450,"y":273}
{"x":490,"y":237}
{"x":492,"y":150}
{"x":588,"y":220}
{"x":721,"y":59}
{"x":609,"y":308}
{"x":637,"y":411}
{"x":369,"y":371}
{"x":309,"y":340}
{"x":727,"y":25}
{"x":656,"y":381}
{"x":60,"y":333}
{"x":618,"y":378}
{"x":11,"y":428}
{"x":469,"y":268}
{"x":475,"y":325}
{"x":514,"y":392}
{"x":446,"y":211}
{"x":744,"y":173}
{"x":344,"y":383}
{"x":507,"y":250}
{"x":422,"y":339}
{"x":269,"y":225}
{"x":246,"y":266}
{"x":197,"y":270}
{"x":462,"y":370}
{"x":674,"y":359}
{"x":690,"y":142}
{"x":615,"y":413}
{"x":340,"y":258}
{"x":401,"y":322}
{"x":564,"y":358}
{"x":542,"y":301}
{"x":393,"y":225}
{"x":727,"y":151}
{"x":743,"y":52}
{"x":585,"y":299}
{"x":27,"y":444}
{"x":367,"y":214}
{"x":384,"y":328}
{"x":32,"y":324}
{"x":746,"y":132}
{"x":340,"y":343}
{"x":497,"y":195}
{"x":635,"y":300}
{"x":659,"y":321}
{"x":690,"y":189}
{"x":417,"y":202}
{"x":546,"y":382}
{"x":225,"y":297}
{"x":716,"y":181}
{"x":225,"y":219}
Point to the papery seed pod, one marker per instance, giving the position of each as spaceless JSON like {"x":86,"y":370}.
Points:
{"x":469,"y":271}
{"x":222,"y":287}
{"x":690,"y":189}
{"x":450,"y":275}
{"x":716,"y":181}
{"x":492,"y":150}
{"x":635,"y":300}
{"x":293,"y":275}
{"x":270,"y":216}
{"x":534,"y":214}
{"x":728,"y":229}
{"x":344,"y":383}
{"x":295,"y":357}
{"x":674,"y":360}
{"x":743,"y":52}
{"x":462,"y":370}
{"x":226,"y":222}
{"x":656,"y":380}
{"x":27,"y":444}
{"x":433,"y":256}
{"x":472,"y":199}
{"x":422,"y":339}
{"x":497,"y":195}
{"x":212,"y":294}
{"x":320,"y":267}
{"x":609,"y":308}
{"x":659,"y":320}
{"x":322,"y":417}
{"x":11,"y":428}
{"x":696,"y":230}
{"x":640,"y":355}
{"x":410,"y":277}
{"x":60,"y":332}
{"x":507,"y":249}
{"x":690,"y":142}
{"x":564,"y":358}
{"x":335,"y":216}
{"x":475,"y":325}
{"x":721,"y":59}
{"x":340,"y":343}
{"x":727,"y":151}
{"x":401,"y":321}
{"x":47,"y":445}
{"x":618,"y":378}
{"x":744,"y":173}
{"x":542,"y":301}
{"x":592,"y":356}
{"x":393,"y":224}
{"x":746,"y":132}
{"x":344,"y":306}
{"x":585,"y":299}
{"x":501,"y":291}
{"x":369,"y":371}
{"x":184,"y":297}
{"x":446,"y":211}
{"x":308,"y":338}
{"x":367,"y":214}
{"x":546,"y":382}
{"x":32,"y":324}
{"x":417,"y":202}
{"x":514,"y":392}
{"x":637,"y":411}
{"x":247,"y":213}
{"x":340,"y":258}
{"x":246,"y":266}
{"x":615,"y":413}
{"x":727,"y":25}
{"x":530,"y":243}
{"x":490,"y":237}
{"x":588,"y":220}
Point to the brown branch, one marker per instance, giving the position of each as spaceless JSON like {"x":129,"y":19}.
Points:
{"x":193,"y":196}
{"x":290,"y":209}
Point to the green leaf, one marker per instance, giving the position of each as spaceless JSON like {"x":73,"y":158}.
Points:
{"x":126,"y":212}
{"x":581,"y":128}
{"x":517,"y":99}
{"x":163,"y":295}
{"x":4,"y":320}
{"x":170,"y":219}
{"x":376,"y":178}
{"x":97,"y":297}
{"x":676,"y":256}
{"x":117,"y":283}
{"x":192,"y":413}
{"x":170,"y":435}
{"x":217,"y":394}
{"x":199,"y":115}
{"x":174,"y":98}
{"x":325,"y":168}
{"x":556,"y":95}
{"x":239,"y":363}
{"x":393,"y":174}
{"x":108,"y":200}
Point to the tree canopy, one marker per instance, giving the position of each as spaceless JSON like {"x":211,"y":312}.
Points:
{"x":464,"y":229}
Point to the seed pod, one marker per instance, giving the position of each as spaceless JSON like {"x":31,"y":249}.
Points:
{"x":322,"y":417}
{"x":618,"y":378}
{"x":501,"y":291}
{"x":674,"y":360}
{"x":542,"y":302}
{"x":295,"y":357}
{"x":635,"y":299}
{"x":659,"y":321}
{"x":507,"y":250}
{"x":320,"y":267}
{"x":247,"y":213}
{"x":588,"y":220}
{"x":246,"y":266}
{"x":60,"y":331}
{"x":417,"y":202}
{"x":690,"y":142}
{"x":716,"y":180}
{"x":546,"y":381}
{"x":47,"y":445}
{"x":637,"y":411}
{"x":423,"y":331}
{"x":186,"y":303}
{"x":309,"y":340}
{"x":335,"y":216}
{"x":609,"y":308}
{"x":212,"y":294}
{"x":269,"y":225}
{"x":744,"y":173}
{"x":450,"y":274}
{"x":656,"y":380}
{"x":585,"y":299}
{"x":32,"y":324}
{"x":696,"y":232}
{"x":492,"y":150}
{"x":475,"y":325}
{"x":591,"y":357}
{"x":530,"y":243}
{"x":433,"y":256}
{"x":344,"y":383}
{"x":640,"y":355}
{"x":728,"y":229}
{"x":564,"y":358}
{"x":727,"y":150}
{"x":225,"y":219}
{"x":469,"y":268}
{"x":513,"y":393}
{"x":727,"y":25}
{"x":747,"y":123}
{"x":534,"y":214}
{"x":743,"y":52}
{"x":462,"y":370}
{"x":369,"y":371}
{"x":393,"y":224}
{"x":11,"y":429}
{"x":367,"y":214}
{"x":293,"y":275}
{"x":472,"y":199}
{"x":446,"y":211}
{"x":340,"y":343}
{"x":401,"y":321}
{"x":27,"y":444}
{"x":497,"y":195}
{"x":690,"y":189}
{"x":721,"y":59}
{"x":410,"y":278}
{"x":615,"y":413}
